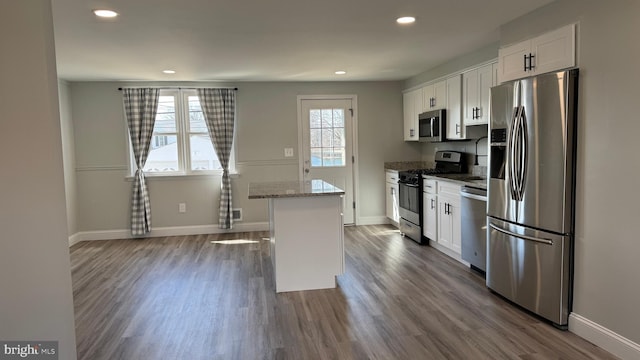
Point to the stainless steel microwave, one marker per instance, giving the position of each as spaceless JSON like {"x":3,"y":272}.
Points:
{"x":432,"y":125}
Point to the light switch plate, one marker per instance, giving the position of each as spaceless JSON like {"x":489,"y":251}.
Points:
{"x":288,"y":152}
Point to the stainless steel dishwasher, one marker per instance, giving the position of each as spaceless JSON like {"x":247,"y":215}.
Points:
{"x":474,"y":227}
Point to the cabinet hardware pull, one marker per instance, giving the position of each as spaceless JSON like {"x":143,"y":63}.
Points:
{"x":411,"y":132}
{"x":473,"y":113}
{"x":457,"y":131}
{"x":525,"y":62}
{"x":432,"y":206}
{"x":531,"y":66}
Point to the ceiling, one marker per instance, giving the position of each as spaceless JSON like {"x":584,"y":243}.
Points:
{"x":277,"y":40}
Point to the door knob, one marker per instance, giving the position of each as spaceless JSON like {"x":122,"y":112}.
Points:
{"x":306,"y":171}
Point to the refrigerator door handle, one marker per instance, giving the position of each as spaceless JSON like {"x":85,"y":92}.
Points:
{"x":520,"y":236}
{"x":523,"y":154}
{"x":512,"y":158}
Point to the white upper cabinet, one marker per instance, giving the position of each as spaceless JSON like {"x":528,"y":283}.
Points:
{"x":434,"y":96}
{"x":552,"y":51}
{"x":455,"y":130}
{"x":412,"y":107}
{"x":476,"y":89}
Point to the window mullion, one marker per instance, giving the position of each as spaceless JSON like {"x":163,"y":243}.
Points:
{"x":180,"y":135}
{"x":184,"y":127}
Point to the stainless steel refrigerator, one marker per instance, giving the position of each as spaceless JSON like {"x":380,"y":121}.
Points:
{"x":531,"y":193}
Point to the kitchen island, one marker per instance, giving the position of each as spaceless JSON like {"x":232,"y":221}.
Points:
{"x":306,"y":232}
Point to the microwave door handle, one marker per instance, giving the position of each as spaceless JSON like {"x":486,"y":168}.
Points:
{"x":431,"y":121}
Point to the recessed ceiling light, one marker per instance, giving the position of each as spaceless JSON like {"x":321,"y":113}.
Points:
{"x":406,"y":20}
{"x":105,"y":13}
{"x":169,"y":71}
{"x":340,"y":72}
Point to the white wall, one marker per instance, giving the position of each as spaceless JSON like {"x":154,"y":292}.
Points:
{"x":68,"y":155}
{"x":267,"y":123}
{"x":35,"y":277}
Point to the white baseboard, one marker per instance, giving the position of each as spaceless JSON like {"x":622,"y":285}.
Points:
{"x":606,"y":339}
{"x":450,"y":253}
{"x":166,"y":231}
{"x":74,"y":239}
{"x":373,"y":220}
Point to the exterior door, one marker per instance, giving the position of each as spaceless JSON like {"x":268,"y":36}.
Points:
{"x":327,"y":146}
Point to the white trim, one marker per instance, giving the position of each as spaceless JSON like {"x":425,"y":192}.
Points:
{"x":74,"y":239}
{"x":354,"y":142}
{"x":103,"y":168}
{"x":608,"y":340}
{"x":373,"y":220}
{"x":291,"y":161}
{"x":455,"y":73}
{"x":166,"y":231}
{"x":450,"y":253}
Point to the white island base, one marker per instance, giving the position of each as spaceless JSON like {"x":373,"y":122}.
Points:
{"x":307,"y":250}
{"x":306,"y":233}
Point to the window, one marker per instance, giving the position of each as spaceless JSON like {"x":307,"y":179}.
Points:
{"x":180,"y":144}
{"x":327,"y":137}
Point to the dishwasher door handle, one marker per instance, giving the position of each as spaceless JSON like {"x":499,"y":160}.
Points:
{"x":473,"y":196}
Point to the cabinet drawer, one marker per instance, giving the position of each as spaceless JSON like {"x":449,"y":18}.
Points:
{"x":429,"y":186}
{"x":392,"y":176}
{"x":447,"y":188}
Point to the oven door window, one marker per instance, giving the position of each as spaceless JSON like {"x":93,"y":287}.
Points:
{"x":409,"y":197}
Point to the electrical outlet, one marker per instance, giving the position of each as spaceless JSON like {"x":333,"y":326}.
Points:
{"x":182,"y":207}
{"x":288,"y":152}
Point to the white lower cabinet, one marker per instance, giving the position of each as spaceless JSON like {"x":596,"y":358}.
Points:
{"x":430,"y":209}
{"x":449,"y":222}
{"x":392,"y":196}
{"x":441,"y":214}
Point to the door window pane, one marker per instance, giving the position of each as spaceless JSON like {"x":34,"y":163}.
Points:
{"x":327,"y":137}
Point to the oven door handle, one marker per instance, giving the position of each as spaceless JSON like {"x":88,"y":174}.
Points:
{"x":408,"y":184}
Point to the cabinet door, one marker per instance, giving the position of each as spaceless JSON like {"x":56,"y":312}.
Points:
{"x":430,"y":216}
{"x":455,"y":129}
{"x":440,"y":95}
{"x":456,"y":225}
{"x":511,"y":61}
{"x":411,"y":100}
{"x":554,"y":50}
{"x":427,"y":97}
{"x":392,"y":202}
{"x":485,"y":82}
{"x":469,"y":96}
{"x":445,"y":235}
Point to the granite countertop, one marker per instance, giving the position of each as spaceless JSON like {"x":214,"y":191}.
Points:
{"x":462,"y":179}
{"x":285,"y":189}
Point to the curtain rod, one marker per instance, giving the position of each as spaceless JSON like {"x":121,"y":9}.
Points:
{"x":180,"y":87}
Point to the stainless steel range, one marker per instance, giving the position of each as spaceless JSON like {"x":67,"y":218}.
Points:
{"x":410,"y":192}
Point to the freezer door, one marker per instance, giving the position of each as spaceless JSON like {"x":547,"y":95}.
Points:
{"x":504,"y":106}
{"x":531,"y":268}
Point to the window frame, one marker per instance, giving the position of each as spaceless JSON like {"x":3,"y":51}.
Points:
{"x":183,"y":137}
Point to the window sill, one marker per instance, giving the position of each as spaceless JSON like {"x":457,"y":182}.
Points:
{"x":152,"y":177}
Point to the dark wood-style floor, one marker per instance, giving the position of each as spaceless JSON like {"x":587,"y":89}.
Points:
{"x":186,"y":298}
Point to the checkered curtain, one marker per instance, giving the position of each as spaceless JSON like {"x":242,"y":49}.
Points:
{"x":218,"y":106}
{"x":141,"y":106}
